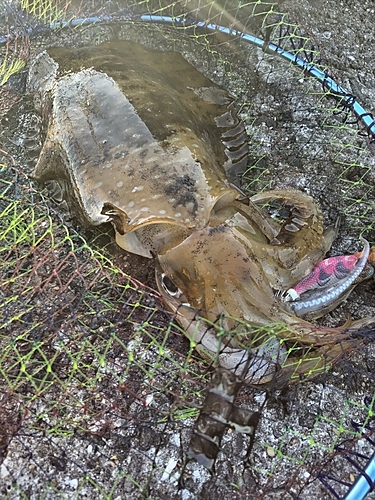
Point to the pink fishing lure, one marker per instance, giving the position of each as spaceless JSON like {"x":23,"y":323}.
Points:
{"x":326,"y":274}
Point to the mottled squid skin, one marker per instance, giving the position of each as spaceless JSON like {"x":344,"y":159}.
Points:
{"x":142,"y":139}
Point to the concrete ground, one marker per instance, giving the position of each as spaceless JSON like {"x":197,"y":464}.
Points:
{"x":113,"y":414}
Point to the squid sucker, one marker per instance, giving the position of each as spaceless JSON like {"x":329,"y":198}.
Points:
{"x":140,"y":138}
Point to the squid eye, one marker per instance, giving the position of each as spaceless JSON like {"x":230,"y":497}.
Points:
{"x":169,"y":286}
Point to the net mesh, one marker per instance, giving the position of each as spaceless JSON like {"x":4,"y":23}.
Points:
{"x":99,"y":387}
